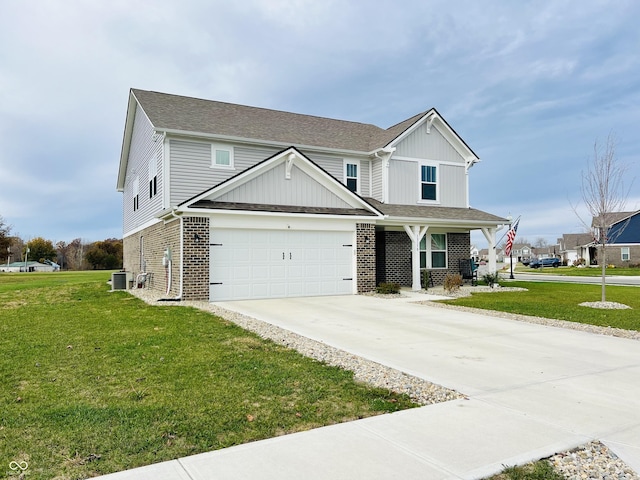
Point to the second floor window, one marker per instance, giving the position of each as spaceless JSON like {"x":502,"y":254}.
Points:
{"x":351,"y":176}
{"x":428,"y":182}
{"x":136,"y":194}
{"x":153,"y":177}
{"x":221,"y":156}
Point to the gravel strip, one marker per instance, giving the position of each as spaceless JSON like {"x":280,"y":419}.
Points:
{"x":591,"y":461}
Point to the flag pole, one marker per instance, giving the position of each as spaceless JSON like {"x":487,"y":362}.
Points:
{"x":511,"y":277}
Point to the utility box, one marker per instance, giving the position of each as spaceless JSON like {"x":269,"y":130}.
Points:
{"x":119,"y":281}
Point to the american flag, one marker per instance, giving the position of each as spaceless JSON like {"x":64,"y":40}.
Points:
{"x":511,"y":236}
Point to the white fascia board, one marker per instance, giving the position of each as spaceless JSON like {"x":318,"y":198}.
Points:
{"x":132,"y":109}
{"x":202,"y":212}
{"x":139,"y":228}
{"x":126,"y":141}
{"x":259,"y":142}
{"x":438,"y":222}
{"x":446,"y":131}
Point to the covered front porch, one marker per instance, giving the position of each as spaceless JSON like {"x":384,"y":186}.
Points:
{"x":411,"y":239}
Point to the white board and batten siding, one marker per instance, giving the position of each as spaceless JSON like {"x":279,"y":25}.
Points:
{"x":404,"y":184}
{"x":432,"y":149}
{"x":431,"y":146}
{"x":272,"y":188}
{"x":264,"y":263}
{"x":143,"y":150}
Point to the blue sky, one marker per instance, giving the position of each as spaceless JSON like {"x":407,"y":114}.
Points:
{"x":530,"y":86}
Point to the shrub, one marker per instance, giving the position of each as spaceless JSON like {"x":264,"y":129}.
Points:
{"x":491,"y":278}
{"x":452,"y":282}
{"x":388,"y":288}
{"x":579,"y":262}
{"x":425,"y":279}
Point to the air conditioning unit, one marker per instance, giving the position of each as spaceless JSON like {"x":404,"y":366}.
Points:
{"x":119,"y":281}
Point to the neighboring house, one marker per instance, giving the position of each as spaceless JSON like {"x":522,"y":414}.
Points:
{"x":27,"y":267}
{"x":548,"y":251}
{"x":623,"y":244}
{"x":224,"y":201}
{"x":576,"y":246}
{"x":475,"y":253}
{"x":519,"y":252}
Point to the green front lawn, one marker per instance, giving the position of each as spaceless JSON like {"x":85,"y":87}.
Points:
{"x":578,"y":272}
{"x":561,"y":301}
{"x":96,"y":381}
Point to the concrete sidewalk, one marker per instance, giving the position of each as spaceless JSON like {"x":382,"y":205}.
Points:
{"x":533,"y":391}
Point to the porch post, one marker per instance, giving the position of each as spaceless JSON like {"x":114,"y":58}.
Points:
{"x":415,"y":233}
{"x":490,"y":235}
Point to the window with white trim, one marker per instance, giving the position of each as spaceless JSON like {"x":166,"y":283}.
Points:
{"x":352,"y":176}
{"x":624,"y":254}
{"x":428,"y":182}
{"x":435,"y":251}
{"x":221,"y":156}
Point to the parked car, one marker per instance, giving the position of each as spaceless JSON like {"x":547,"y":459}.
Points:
{"x":544,"y":262}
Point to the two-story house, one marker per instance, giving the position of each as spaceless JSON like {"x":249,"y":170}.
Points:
{"x":225,"y":201}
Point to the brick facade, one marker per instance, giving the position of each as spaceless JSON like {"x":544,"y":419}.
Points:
{"x":366,"y":257}
{"x":155,"y":241}
{"x":196,"y":259}
{"x":393,"y":261}
{"x":394,"y":257}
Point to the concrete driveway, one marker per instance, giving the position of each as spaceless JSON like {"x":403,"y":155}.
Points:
{"x":585,"y":384}
{"x":533,"y":391}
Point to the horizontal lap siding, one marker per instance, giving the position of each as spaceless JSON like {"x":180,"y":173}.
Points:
{"x":142,"y":151}
{"x":191,"y":171}
{"x":376,"y":185}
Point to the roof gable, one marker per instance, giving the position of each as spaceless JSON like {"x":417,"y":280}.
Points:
{"x":288,"y":178}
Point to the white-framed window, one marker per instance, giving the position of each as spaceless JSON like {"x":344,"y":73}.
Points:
{"x":428,"y":183}
{"x":221,"y":156}
{"x":434,"y":253}
{"x":136,"y":194}
{"x":624,"y":254}
{"x":352,"y":175}
{"x":153,"y":177}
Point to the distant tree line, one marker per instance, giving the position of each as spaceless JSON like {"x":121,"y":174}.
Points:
{"x":75,"y":255}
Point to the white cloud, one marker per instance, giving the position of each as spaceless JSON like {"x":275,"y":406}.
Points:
{"x":528,"y":85}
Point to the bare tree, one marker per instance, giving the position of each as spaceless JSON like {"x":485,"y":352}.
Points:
{"x":605,"y":196}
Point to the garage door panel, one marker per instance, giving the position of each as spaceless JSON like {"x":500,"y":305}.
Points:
{"x":273,"y":263}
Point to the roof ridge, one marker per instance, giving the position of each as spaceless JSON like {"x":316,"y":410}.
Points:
{"x":260,"y":108}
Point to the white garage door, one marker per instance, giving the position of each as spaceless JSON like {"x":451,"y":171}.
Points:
{"x":249,"y":263}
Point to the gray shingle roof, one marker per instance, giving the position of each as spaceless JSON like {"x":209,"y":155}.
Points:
{"x":435,"y":212}
{"x":174,"y":112}
{"x":208,"y":204}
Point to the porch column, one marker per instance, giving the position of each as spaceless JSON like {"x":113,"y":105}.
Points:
{"x":490,"y":235}
{"x":415,"y":232}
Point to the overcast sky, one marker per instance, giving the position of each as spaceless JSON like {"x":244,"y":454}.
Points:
{"x":530,"y":86}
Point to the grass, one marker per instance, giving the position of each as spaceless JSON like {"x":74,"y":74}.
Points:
{"x":541,"y":470}
{"x":561,"y":301}
{"x":95,"y":382}
{"x":579,"y":272}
